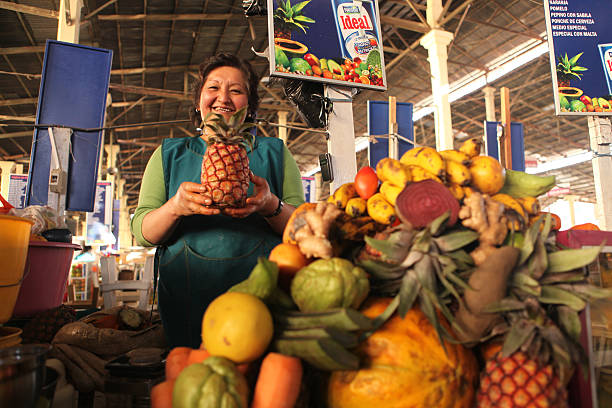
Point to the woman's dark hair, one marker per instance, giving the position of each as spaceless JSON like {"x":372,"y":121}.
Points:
{"x":226,"y":60}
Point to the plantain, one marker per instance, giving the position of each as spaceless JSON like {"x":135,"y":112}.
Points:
{"x":380,"y":209}
{"x":530,"y":204}
{"x":471,"y":147}
{"x":356,"y":207}
{"x":521,"y":184}
{"x":457,"y":191}
{"x":516,"y":221}
{"x":420,"y":174}
{"x":457,"y":173}
{"x":324,"y":354}
{"x":343,"y":194}
{"x":344,"y":318}
{"x":393,"y":171}
{"x":427,"y":158}
{"x":456,"y":156}
{"x":344,"y":337}
{"x":390,"y":191}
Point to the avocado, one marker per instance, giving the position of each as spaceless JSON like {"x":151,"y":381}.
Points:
{"x":280,"y":57}
{"x":334,"y":67}
{"x":563,"y":102}
{"x":299,"y":65}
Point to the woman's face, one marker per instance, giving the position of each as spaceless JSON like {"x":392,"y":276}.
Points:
{"x":224,"y":92}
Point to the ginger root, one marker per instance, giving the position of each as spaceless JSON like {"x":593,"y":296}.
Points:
{"x":313,"y":237}
{"x":485,"y":216}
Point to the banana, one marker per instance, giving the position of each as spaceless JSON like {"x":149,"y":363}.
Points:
{"x":331,"y":199}
{"x":457,"y":191}
{"x":393,"y":171}
{"x":427,"y":158}
{"x":325,"y":354}
{"x":510,"y":203}
{"x":457,"y":173}
{"x":471,"y":147}
{"x":380,"y":209}
{"x":344,"y":318}
{"x":521,"y":184}
{"x":456,"y":156}
{"x":530,"y":204}
{"x":356,"y":207}
{"x":419,"y":174}
{"x":390,"y":191}
{"x":343,"y":194}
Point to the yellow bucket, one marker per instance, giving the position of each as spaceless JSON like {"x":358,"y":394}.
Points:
{"x":14,"y":241}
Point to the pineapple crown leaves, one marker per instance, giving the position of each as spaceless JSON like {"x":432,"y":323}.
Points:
{"x":567,"y":66}
{"x":232,"y":131}
{"x":292,"y":15}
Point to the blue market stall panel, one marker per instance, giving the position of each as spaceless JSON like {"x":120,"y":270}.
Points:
{"x":378,"y":124}
{"x":73,"y":91}
{"x":518,"y":143}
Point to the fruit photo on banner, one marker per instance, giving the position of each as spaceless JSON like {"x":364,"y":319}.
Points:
{"x":434,"y":280}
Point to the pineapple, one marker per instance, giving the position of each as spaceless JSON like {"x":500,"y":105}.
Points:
{"x":541,"y":326}
{"x":418,"y":266}
{"x":225,"y":166}
{"x":567,"y":69}
{"x":288,"y":18}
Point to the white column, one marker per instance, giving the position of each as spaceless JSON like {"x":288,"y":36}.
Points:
{"x":282,"y":130}
{"x":341,"y":143}
{"x":600,"y":133}
{"x":69,"y":21}
{"x":6,"y":168}
{"x":489,"y":95}
{"x":112,"y":155}
{"x":434,"y":11}
{"x":125,"y":235}
{"x":436,"y":42}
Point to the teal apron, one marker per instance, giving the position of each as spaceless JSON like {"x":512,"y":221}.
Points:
{"x":206,"y":255}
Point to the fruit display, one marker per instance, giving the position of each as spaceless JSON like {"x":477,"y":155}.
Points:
{"x":433,"y":280}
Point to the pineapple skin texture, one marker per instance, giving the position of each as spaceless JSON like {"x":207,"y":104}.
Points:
{"x":225,"y":174}
{"x":517,"y":381}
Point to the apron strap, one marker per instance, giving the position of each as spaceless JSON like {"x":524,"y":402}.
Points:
{"x":156,"y":259}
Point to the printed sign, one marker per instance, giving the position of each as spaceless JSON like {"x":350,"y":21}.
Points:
{"x":330,"y":41}
{"x":308,"y":183}
{"x":17,"y":192}
{"x":580,"y":48}
{"x":99,"y":221}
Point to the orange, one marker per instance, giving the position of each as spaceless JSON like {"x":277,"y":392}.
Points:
{"x":289,"y":260}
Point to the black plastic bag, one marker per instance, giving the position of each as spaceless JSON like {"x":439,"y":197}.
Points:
{"x":308,"y":98}
{"x":254,"y":7}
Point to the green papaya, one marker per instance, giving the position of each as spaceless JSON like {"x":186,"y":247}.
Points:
{"x":577,"y":106}
{"x":280,"y":57}
{"x":563,"y":102}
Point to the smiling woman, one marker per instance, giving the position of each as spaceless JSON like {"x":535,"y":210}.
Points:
{"x":206,"y":244}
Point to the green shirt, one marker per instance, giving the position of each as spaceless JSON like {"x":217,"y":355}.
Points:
{"x":153,"y":190}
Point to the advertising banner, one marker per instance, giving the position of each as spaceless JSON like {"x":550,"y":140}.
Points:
{"x":99,"y":221}
{"x":329,"y":41}
{"x":580,"y":48}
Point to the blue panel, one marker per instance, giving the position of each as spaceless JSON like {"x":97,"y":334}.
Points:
{"x":378,"y":124}
{"x":73,"y":91}
{"x":518,"y":143}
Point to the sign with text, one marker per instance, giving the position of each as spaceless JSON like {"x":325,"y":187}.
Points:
{"x":99,"y":221}
{"x":580,"y":48}
{"x":330,"y":41}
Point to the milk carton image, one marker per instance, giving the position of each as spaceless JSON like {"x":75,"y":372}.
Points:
{"x":605,"y":50}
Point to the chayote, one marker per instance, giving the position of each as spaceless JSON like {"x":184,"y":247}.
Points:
{"x":214,"y":383}
{"x":329,"y":283}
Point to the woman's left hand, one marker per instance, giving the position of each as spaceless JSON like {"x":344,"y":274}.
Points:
{"x":262,"y":201}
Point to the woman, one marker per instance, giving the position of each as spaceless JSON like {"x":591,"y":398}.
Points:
{"x":204,"y":251}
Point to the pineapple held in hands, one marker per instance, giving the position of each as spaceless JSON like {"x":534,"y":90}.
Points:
{"x":225,"y":166}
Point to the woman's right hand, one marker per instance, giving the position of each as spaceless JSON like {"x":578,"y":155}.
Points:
{"x":190,"y":199}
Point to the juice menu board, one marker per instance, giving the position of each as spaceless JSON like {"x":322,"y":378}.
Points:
{"x":580,"y":47}
{"x":330,"y":41}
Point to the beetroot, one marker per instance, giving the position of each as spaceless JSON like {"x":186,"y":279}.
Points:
{"x":422,"y":202}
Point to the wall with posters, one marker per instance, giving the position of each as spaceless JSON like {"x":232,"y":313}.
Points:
{"x":580,"y":47}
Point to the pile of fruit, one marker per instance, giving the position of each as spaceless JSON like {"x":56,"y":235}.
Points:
{"x":350,"y":69}
{"x":433,"y":280}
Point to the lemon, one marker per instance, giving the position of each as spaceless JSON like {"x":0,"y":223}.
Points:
{"x":237,"y":326}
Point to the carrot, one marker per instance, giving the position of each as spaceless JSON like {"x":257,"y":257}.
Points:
{"x":161,"y":394}
{"x":176,"y":361}
{"x":278,"y":383}
{"x":197,"y":356}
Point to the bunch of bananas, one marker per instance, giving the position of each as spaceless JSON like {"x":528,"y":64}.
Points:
{"x":376,"y":206}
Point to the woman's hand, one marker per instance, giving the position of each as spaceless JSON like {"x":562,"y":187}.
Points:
{"x":190,"y":199}
{"x":262,"y":201}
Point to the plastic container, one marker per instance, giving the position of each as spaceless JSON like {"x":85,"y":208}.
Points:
{"x":46,"y":274}
{"x":22,"y":374}
{"x":14,"y":238}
